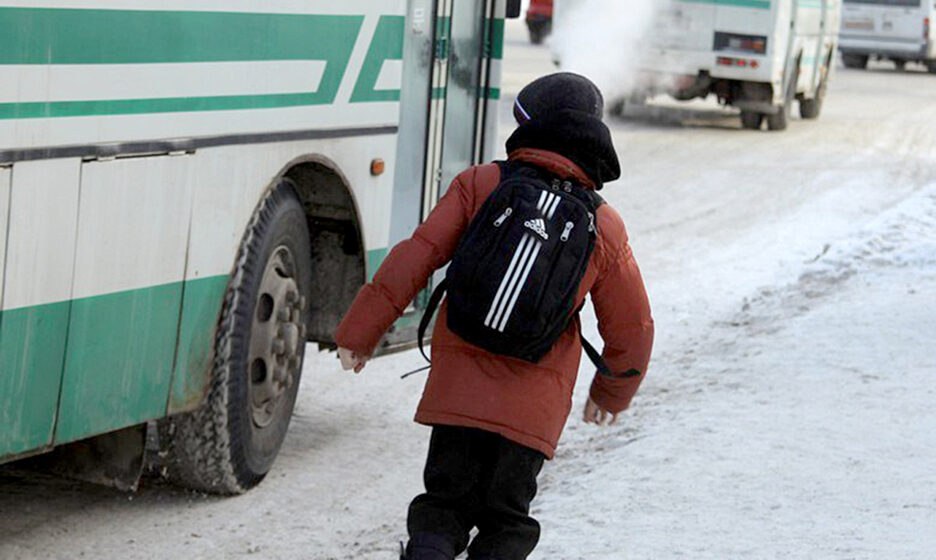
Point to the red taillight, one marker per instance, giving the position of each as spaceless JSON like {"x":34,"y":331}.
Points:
{"x":926,"y":29}
{"x":740,"y":62}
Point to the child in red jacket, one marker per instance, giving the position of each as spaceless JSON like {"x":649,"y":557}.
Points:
{"x":495,"y":419}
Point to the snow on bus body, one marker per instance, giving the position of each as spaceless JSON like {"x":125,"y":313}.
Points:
{"x":897,"y":30}
{"x":757,"y":55}
{"x":168,"y":190}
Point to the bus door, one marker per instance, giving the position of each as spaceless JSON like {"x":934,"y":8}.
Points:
{"x":456,"y":137}
{"x":415,"y":98}
{"x":442,"y":114}
{"x":132,"y":234}
{"x":39,"y":205}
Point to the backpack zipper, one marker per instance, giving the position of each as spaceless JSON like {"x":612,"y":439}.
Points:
{"x":567,"y":231}
{"x":500,"y":221}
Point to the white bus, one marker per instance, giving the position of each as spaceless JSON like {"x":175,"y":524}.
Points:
{"x":757,"y":55}
{"x":192,"y":189}
{"x":897,"y":30}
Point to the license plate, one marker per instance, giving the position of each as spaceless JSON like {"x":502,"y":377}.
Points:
{"x":858,"y":24}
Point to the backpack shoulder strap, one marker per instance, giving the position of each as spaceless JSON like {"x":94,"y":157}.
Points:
{"x":431,"y":307}
{"x":596,"y":199}
{"x":600,"y":364}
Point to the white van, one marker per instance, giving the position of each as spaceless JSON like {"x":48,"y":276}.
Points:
{"x":897,"y":30}
{"x":757,"y":55}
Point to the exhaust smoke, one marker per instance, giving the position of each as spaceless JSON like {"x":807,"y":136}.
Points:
{"x":603,"y":39}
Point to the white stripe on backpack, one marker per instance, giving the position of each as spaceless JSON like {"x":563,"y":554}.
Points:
{"x":513,"y":271}
{"x":527,"y":238}
{"x":526,"y":273}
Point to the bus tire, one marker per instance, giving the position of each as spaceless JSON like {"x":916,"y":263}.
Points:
{"x":851,"y":60}
{"x":228,"y":444}
{"x":810,"y":108}
{"x":751,"y":120}
{"x":780,"y":119}
{"x":931,"y":66}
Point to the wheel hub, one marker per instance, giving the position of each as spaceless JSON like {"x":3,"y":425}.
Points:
{"x":276,"y":337}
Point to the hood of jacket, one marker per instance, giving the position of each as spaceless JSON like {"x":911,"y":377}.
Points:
{"x":580,"y":137}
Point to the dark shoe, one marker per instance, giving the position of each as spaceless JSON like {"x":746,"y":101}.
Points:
{"x":428,"y":546}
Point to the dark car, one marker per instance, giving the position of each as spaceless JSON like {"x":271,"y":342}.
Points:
{"x":539,"y":20}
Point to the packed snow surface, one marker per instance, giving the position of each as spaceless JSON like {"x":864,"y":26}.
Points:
{"x":788,"y":411}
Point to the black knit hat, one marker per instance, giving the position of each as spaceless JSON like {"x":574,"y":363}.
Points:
{"x":562,"y":113}
{"x":558,"y":92}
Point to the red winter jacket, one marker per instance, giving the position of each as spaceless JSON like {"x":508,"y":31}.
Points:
{"x":468,"y":386}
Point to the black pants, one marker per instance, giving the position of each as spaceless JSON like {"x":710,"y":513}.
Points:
{"x":477,"y":479}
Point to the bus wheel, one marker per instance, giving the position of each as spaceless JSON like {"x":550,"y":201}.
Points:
{"x":228,"y":445}
{"x":780,"y":119}
{"x":751,"y":120}
{"x":900,"y":64}
{"x":859,"y":61}
{"x":810,"y":108}
{"x":931,"y":66}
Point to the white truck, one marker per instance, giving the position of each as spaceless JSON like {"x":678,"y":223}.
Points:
{"x":756,"y":55}
{"x":897,"y":30}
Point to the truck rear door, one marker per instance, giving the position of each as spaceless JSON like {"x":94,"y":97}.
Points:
{"x":900,"y":24}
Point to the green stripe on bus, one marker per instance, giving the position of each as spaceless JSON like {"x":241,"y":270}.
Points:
{"x":201,"y":308}
{"x":443,"y":26}
{"x":497,"y":39}
{"x":32,"y":349}
{"x":387,"y":45}
{"x":118,"y":363}
{"x":375,"y":258}
{"x":72,"y":36}
{"x":164,"y":105}
{"x":759,"y":4}
{"x":128,"y":355}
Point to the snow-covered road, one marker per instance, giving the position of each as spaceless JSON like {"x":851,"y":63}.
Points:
{"x":788,"y":410}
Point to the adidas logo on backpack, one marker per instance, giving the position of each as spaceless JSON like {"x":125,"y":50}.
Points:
{"x":511,"y":286}
{"x":538,"y":226}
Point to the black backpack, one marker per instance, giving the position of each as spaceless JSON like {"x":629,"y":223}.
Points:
{"x":514,"y":276}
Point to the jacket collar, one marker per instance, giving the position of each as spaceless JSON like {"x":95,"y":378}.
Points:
{"x":556,"y":164}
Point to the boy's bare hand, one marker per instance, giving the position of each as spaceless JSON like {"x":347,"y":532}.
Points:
{"x":594,"y":414}
{"x":352,"y":360}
